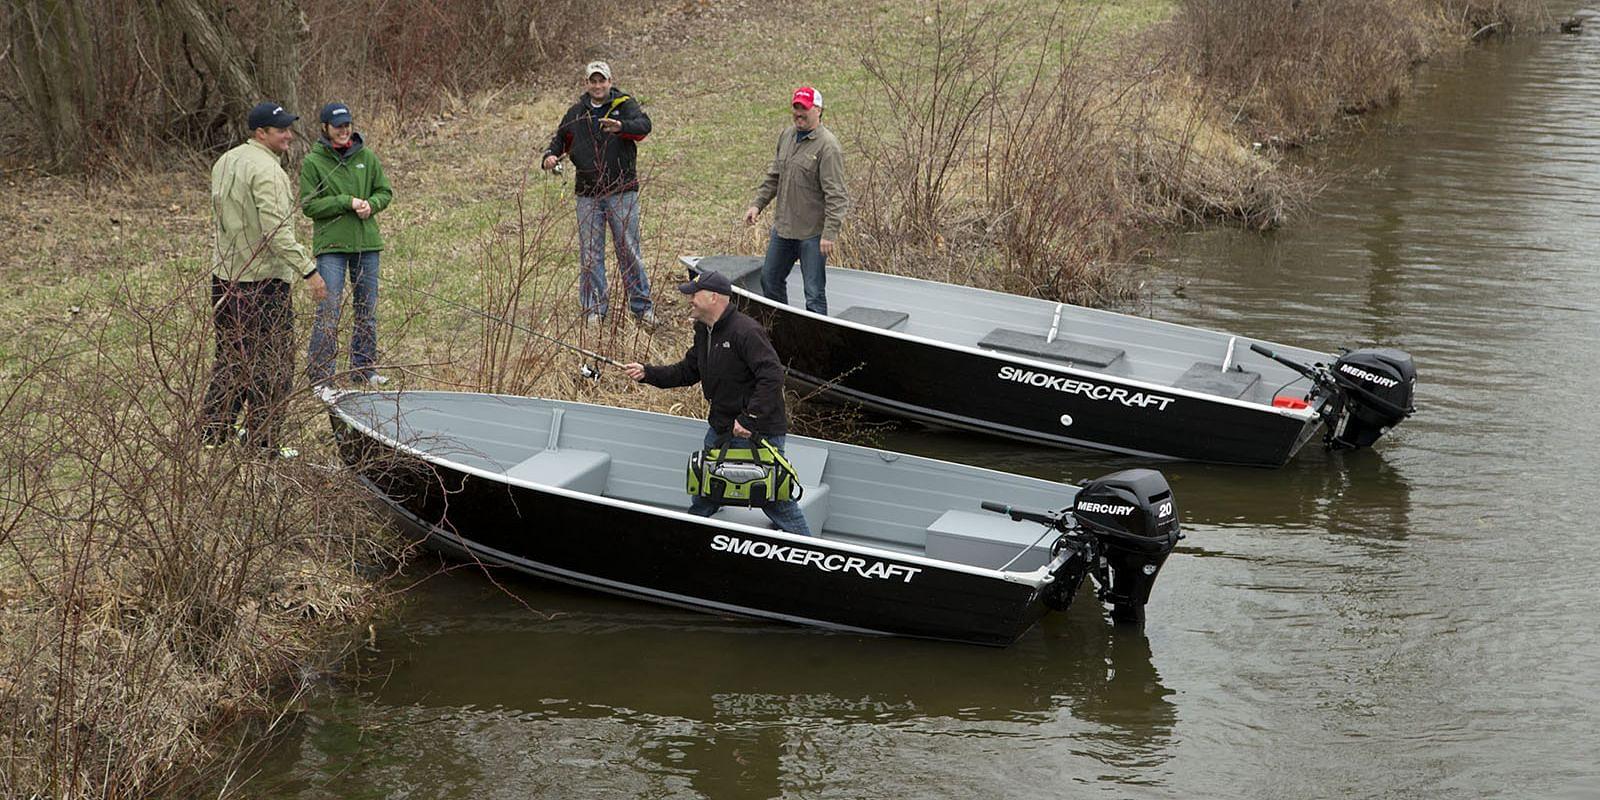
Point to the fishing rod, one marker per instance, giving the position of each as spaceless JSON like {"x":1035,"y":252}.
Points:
{"x":531,"y":332}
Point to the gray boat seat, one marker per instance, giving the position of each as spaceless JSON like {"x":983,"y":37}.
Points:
{"x":808,"y":461}
{"x":1210,"y":379}
{"x":736,"y":268}
{"x":578,"y":470}
{"x":1032,"y":344}
{"x":988,"y":540}
{"x":876,"y":317}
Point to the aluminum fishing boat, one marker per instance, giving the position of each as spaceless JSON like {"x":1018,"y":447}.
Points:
{"x":1064,"y":375}
{"x":594,"y":496}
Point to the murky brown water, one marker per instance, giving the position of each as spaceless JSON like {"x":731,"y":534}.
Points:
{"x":1416,"y":621}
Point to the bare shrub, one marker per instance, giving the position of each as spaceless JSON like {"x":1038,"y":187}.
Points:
{"x":1026,"y":165}
{"x":155,"y":592}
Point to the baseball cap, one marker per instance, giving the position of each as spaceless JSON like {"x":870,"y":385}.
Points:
{"x":335,"y":114}
{"x":598,"y":66}
{"x":807,"y":97}
{"x":269,"y":114}
{"x":709,"y":281}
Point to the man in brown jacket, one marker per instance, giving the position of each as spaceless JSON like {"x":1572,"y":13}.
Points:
{"x":807,"y":178}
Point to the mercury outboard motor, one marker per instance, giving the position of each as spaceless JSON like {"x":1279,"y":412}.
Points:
{"x":1120,"y":529}
{"x":1133,"y":517}
{"x":1377,"y":384}
{"x":1369,"y":391}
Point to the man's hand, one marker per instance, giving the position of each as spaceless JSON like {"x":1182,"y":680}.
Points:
{"x":610,"y":125}
{"x":634,"y":371}
{"x":362,"y":208}
{"x":549,"y":163}
{"x":317,"y":287}
{"x":826,"y":246}
{"x":740,"y":431}
{"x":750,"y":215}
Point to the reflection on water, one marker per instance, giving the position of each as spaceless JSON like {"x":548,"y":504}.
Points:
{"x":725,"y":707}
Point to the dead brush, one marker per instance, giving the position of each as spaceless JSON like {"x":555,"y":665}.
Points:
{"x":156,"y":592}
{"x":1030,"y":167}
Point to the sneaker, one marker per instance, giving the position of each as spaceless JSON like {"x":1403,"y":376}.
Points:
{"x":592,"y":318}
{"x":648,"y":318}
{"x":280,"y":453}
{"x":370,"y":380}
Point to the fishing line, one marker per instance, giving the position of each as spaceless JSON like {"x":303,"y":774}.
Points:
{"x":587,"y":371}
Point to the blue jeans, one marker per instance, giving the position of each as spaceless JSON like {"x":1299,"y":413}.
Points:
{"x":621,"y":213}
{"x":781,"y":255}
{"x":784,"y":513}
{"x":323,"y":354}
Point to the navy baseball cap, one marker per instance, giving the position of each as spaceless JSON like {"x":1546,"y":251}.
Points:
{"x":336,"y":114}
{"x":709,"y":281}
{"x":270,"y":114}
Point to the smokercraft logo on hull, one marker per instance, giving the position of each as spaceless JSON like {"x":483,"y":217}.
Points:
{"x":801,"y":556}
{"x":1369,"y":377}
{"x":1093,"y":391}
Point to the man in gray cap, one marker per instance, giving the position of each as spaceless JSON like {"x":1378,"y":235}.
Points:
{"x":599,"y":133}
{"x":256,"y":261}
{"x":741,"y":377}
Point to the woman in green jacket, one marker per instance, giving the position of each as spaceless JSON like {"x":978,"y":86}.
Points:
{"x":342,"y":189}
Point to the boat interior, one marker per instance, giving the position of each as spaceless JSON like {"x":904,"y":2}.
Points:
{"x":856,"y":495}
{"x":1116,"y":345}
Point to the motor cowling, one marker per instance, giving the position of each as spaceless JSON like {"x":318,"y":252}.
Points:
{"x":1134,"y":520}
{"x":1377,"y":385}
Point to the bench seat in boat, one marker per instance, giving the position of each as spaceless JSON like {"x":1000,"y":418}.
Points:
{"x":989,"y":540}
{"x":1067,"y":350}
{"x":578,"y":470}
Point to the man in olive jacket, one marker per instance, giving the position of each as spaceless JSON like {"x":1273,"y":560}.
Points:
{"x":599,"y":133}
{"x":806,"y":177}
{"x":741,"y":377}
{"x":255,"y":262}
{"x":343,"y":189}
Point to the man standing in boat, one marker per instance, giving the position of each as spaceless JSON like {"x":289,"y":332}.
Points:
{"x":807,"y":179}
{"x":741,"y":377}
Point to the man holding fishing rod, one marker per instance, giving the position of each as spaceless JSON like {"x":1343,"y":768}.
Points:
{"x":741,"y":377}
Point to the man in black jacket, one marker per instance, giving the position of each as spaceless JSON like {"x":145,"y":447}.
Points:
{"x":598,"y":133}
{"x":741,"y":377}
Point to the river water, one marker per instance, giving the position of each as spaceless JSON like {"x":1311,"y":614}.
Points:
{"x":1417,"y":620}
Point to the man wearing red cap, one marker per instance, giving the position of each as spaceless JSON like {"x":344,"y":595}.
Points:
{"x":807,"y":179}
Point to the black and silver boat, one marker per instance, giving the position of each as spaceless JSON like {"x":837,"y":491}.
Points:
{"x":1058,"y":374}
{"x":594,"y":496}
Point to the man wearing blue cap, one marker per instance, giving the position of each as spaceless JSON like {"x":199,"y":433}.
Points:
{"x":256,"y":261}
{"x":741,"y":377}
{"x":342,"y":190}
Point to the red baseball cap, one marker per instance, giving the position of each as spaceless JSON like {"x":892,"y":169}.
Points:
{"x":807,"y":97}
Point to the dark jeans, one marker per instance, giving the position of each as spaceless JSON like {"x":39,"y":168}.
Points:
{"x":781,"y":255}
{"x":784,"y":513}
{"x":254,"y":367}
{"x":323,"y":354}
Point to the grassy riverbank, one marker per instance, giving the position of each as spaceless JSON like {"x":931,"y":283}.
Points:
{"x":154,"y":595}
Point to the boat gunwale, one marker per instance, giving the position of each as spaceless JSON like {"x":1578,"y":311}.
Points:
{"x":1037,"y":577}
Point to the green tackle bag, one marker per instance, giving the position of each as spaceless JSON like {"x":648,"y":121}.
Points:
{"x":743,"y":476}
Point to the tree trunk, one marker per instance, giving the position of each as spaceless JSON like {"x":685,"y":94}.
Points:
{"x":54,"y":63}
{"x":240,"y":83}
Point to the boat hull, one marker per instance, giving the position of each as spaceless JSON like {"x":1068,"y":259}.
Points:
{"x":931,"y":382}
{"x":670,"y":557}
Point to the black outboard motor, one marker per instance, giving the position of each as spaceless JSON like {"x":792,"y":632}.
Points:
{"x":1377,"y":385}
{"x":1132,"y":516}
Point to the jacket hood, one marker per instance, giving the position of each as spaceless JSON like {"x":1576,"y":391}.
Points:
{"x":356,"y":144}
